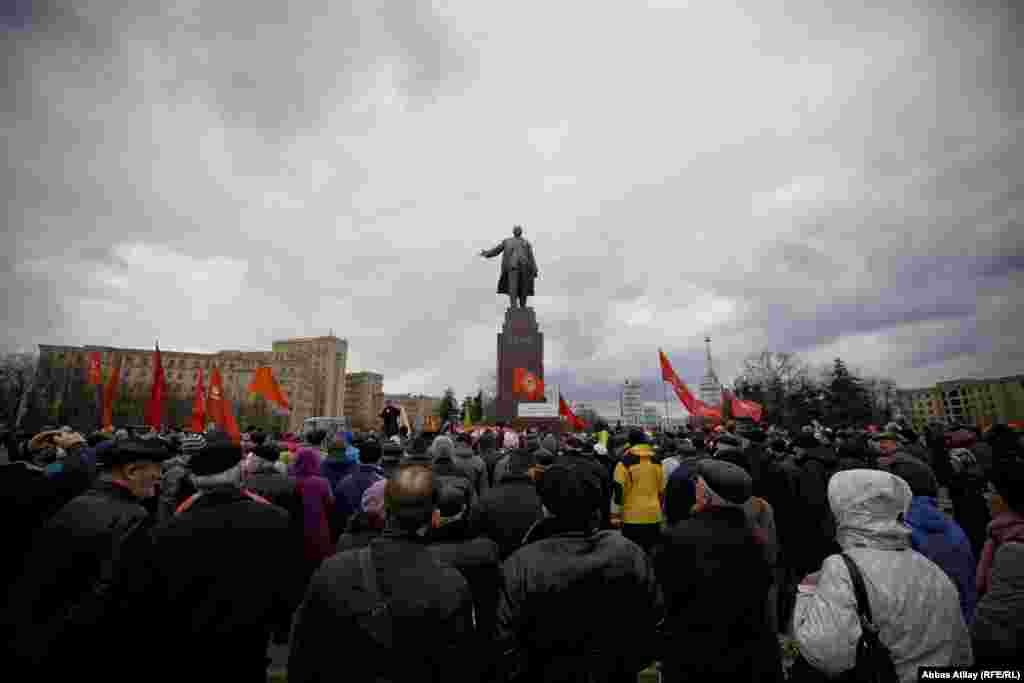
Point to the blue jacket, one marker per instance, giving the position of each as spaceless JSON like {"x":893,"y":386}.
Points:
{"x":339,"y":464}
{"x":941,"y":540}
{"x":348,"y":494}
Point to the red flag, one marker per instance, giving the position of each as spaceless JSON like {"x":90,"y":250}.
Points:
{"x":155,"y":406}
{"x":527,"y":385}
{"x":95,"y":368}
{"x":565,"y":411}
{"x":264,"y":384}
{"x":219,"y":410}
{"x":199,"y":404}
{"x":110,"y":392}
{"x":751,"y":409}
{"x":687,"y":398}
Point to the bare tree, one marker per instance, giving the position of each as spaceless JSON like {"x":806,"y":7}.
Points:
{"x":17,"y":372}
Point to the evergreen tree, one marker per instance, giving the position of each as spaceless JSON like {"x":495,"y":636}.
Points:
{"x":848,"y":400}
{"x":448,"y":406}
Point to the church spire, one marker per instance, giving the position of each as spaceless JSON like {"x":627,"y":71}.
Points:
{"x":710,"y":389}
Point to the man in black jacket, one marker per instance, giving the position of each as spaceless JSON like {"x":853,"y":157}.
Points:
{"x":715,"y":578}
{"x":86,"y":578}
{"x":477,"y":559}
{"x":506,"y":512}
{"x":578,"y":603}
{"x":399,"y":613}
{"x":578,"y":453}
{"x":226,"y":569}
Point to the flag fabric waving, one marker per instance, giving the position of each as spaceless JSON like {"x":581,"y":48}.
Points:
{"x":219,"y":409}
{"x":751,"y":409}
{"x":264,"y":384}
{"x":686,"y":397}
{"x":95,"y":368}
{"x":565,"y":411}
{"x":110,"y":392}
{"x":199,"y":404}
{"x":155,"y":405}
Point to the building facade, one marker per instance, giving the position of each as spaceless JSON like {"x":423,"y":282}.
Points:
{"x":631,"y":406}
{"x":328,"y":356}
{"x":417,"y":407}
{"x":976,"y":402}
{"x":364,"y":400}
{"x":62,"y":395}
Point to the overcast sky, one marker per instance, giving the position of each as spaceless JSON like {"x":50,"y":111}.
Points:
{"x":777,"y":175}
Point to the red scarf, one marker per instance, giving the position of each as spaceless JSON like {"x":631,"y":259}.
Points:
{"x":1008,"y":526}
{"x":196,"y":496}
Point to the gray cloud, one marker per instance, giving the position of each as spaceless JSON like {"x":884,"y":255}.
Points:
{"x":221,"y":178}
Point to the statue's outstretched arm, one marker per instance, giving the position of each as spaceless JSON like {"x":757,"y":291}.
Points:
{"x":490,"y":253}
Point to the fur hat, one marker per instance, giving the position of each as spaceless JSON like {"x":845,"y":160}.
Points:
{"x":136,"y":450}
{"x":215,"y":458}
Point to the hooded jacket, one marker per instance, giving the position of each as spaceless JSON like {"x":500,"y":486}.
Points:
{"x":317,"y":499}
{"x":339,"y":463}
{"x":638,"y":486}
{"x":941,"y":540}
{"x":473,"y":466}
{"x":913,"y":602}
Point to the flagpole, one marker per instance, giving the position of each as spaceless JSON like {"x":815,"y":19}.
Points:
{"x":664,"y":391}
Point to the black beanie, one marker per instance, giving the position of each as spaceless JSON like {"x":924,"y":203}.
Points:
{"x":729,"y":481}
{"x":370,"y":451}
{"x":216,"y":457}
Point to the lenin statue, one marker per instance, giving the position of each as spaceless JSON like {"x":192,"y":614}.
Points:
{"x":518,"y":268}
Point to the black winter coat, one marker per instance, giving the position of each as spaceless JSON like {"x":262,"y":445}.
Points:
{"x":715,"y":577}
{"x":226,"y":573}
{"x":578,"y":606}
{"x":83,"y":589}
{"x":429,"y":639}
{"x":27,"y":500}
{"x":506,"y":512}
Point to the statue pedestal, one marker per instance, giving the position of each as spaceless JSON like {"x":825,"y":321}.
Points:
{"x":520,"y":345}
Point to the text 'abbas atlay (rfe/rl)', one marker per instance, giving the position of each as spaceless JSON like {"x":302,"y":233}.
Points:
{"x":949,"y":673}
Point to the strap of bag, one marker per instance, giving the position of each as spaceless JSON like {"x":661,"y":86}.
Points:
{"x":863,"y":605}
{"x":369,"y":574}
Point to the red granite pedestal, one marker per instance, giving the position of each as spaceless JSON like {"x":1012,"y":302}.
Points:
{"x":520,"y":345}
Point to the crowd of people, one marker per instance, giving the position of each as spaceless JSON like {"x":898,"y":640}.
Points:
{"x":511,"y":556}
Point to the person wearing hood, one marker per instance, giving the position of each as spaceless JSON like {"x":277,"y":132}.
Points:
{"x":471,"y":464}
{"x":638,"y":491}
{"x":211,"y":603}
{"x":562,"y":585}
{"x":998,"y":629}
{"x":317,"y":501}
{"x":489,"y":453}
{"x":935,"y":535}
{"x":446,"y":472}
{"x":349,"y":491}
{"x":342,"y":460}
{"x":85,"y":578}
{"x":913,"y":602}
{"x":716,"y":580}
